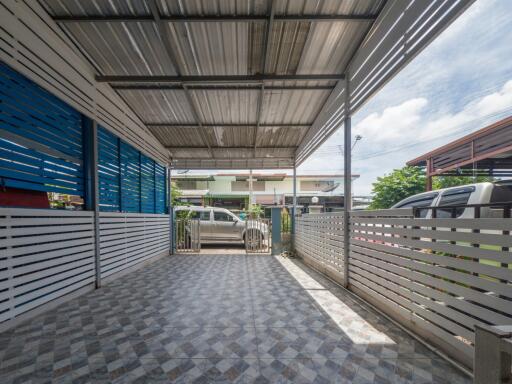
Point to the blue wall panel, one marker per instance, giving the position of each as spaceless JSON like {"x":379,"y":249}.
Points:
{"x":109,"y":172}
{"x":40,"y":138}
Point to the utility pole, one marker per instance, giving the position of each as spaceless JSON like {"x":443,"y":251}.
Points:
{"x":250,"y":190}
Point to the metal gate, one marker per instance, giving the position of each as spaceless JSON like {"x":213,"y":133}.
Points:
{"x":187,"y":235}
{"x":257,"y":236}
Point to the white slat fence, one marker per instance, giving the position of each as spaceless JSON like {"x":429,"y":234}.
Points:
{"x":439,"y":277}
{"x":319,"y":241}
{"x":44,"y":254}
{"x":48,"y":254}
{"x":127,"y":239}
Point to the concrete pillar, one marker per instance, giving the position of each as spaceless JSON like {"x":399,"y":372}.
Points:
{"x":491,"y":363}
{"x":91,"y":194}
{"x":277,"y":244}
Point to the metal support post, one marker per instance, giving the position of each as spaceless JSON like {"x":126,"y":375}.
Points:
{"x":171,"y":213}
{"x":347,"y":203}
{"x":294,"y":207}
{"x":91,"y":198}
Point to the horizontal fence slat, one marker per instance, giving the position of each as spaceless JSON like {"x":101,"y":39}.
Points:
{"x":130,"y":238}
{"x":442,"y":275}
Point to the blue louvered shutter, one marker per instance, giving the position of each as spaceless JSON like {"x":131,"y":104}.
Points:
{"x":160,"y":189}
{"x":40,"y":138}
{"x":109,"y":172}
{"x":130,"y":178}
{"x":147,"y":169}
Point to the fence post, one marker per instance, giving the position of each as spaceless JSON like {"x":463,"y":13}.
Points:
{"x":91,"y":195}
{"x":491,"y":363}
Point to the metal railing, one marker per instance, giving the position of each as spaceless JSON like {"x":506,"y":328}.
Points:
{"x":187,"y":235}
{"x":257,"y":235}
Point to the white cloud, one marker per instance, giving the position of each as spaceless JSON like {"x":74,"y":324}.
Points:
{"x":413,"y":128}
{"x":497,"y":101}
{"x":393,"y":123}
{"x":473,"y":115}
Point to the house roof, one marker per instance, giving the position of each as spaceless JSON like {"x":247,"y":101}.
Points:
{"x":489,"y":147}
{"x":257,"y":176}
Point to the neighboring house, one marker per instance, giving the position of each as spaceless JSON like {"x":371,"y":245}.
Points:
{"x":232,"y":191}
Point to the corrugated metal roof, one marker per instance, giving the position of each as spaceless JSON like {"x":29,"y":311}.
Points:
{"x":123,"y":48}
{"x":212,"y":7}
{"x":159,"y":106}
{"x":280,"y":136}
{"x":292,"y":107}
{"x":96,"y":8}
{"x":122,"y":38}
{"x":226,"y":106}
{"x":211,"y":48}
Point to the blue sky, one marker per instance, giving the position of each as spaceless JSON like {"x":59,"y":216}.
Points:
{"x":460,"y":83}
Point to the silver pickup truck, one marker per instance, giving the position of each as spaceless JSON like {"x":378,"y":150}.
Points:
{"x":220,"y":226}
{"x":471,"y":194}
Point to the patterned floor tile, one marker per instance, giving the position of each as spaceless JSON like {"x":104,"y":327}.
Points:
{"x":217,"y":318}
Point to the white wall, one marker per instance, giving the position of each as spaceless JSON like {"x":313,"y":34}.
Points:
{"x":222,"y":186}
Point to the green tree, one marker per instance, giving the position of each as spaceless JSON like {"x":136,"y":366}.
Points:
{"x":399,"y":184}
{"x":439,"y":182}
{"x":255,"y":211}
{"x":175,"y":194}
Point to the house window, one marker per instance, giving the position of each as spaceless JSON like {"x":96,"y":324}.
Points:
{"x":243,"y":186}
{"x":187,"y":184}
{"x":315,"y":185}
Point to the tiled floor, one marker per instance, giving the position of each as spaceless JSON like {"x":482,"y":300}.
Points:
{"x":217,"y":318}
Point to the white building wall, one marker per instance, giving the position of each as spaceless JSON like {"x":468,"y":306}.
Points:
{"x":222,"y":186}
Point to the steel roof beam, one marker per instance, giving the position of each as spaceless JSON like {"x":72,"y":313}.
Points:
{"x":224,"y":87}
{"x":194,"y":125}
{"x":164,"y":36}
{"x":212,"y":19}
{"x":220,"y":79}
{"x":172,"y":147}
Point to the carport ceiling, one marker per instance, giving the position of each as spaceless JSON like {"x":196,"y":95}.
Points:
{"x":247,"y":83}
